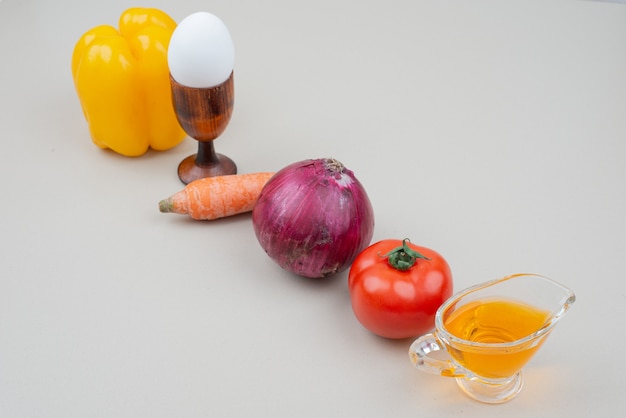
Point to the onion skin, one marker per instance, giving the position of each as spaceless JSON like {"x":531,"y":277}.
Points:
{"x":313,"y":218}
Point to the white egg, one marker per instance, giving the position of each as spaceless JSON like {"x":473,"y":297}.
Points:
{"x":201,"y":52}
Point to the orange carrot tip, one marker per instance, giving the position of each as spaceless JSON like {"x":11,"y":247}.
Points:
{"x":217,"y":197}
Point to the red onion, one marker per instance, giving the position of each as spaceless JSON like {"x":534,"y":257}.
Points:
{"x":313,"y":218}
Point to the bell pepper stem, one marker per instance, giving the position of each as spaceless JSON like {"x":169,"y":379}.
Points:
{"x":403,"y":257}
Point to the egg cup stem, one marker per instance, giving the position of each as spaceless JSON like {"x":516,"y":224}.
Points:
{"x":206,"y":155}
{"x":206,"y":163}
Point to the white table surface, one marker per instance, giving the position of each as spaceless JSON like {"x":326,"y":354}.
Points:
{"x":491,"y":131}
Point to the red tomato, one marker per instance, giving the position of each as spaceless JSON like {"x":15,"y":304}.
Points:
{"x":396,"y":288}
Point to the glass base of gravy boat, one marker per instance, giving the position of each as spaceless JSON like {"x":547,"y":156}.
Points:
{"x":490,"y":391}
{"x":488,"y":332}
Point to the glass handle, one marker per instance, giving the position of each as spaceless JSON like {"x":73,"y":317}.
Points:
{"x":420,"y":351}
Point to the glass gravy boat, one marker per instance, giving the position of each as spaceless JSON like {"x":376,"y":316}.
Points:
{"x":488,"y":332}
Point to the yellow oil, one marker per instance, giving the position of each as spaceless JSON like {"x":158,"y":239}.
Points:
{"x":495,"y":321}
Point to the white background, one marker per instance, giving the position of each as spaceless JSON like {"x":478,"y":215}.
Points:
{"x":491,"y":131}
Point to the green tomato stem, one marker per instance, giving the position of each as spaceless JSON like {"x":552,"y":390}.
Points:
{"x":403,"y":257}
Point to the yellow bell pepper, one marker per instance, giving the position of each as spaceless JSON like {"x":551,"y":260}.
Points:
{"x":122,"y":81}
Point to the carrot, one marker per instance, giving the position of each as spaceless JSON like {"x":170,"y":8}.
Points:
{"x":217,"y":197}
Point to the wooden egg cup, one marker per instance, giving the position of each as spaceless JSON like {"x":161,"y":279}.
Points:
{"x":204,"y":113}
